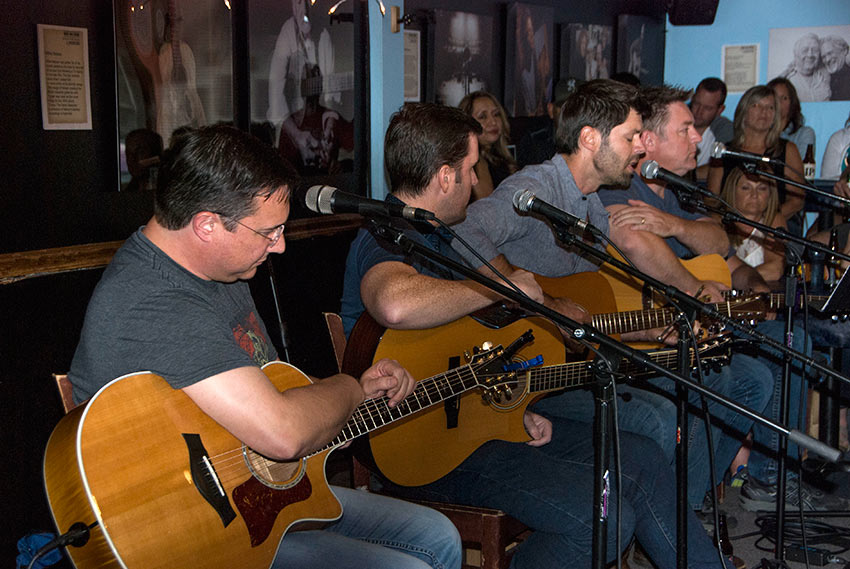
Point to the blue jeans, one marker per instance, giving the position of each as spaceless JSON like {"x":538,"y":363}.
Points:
{"x":762,"y":463}
{"x":375,"y":532}
{"x":638,"y":411}
{"x":746,"y":381}
{"x":550,"y":489}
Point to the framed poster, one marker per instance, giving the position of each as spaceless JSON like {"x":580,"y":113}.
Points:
{"x":63,"y":65}
{"x":586,"y":51}
{"x":173,"y":72}
{"x":412,"y":57}
{"x":640,"y":48}
{"x":528,"y":65}
{"x":815,"y":59}
{"x":303,"y":84}
{"x":740,"y":67}
{"x":463,"y":55}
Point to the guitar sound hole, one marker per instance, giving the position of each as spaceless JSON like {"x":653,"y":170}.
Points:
{"x":273,"y":473}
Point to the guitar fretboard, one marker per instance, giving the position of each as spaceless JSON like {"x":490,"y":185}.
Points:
{"x":376,"y":413}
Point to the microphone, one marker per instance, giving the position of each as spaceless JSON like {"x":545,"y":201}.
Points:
{"x":719,"y":150}
{"x":525,"y":201}
{"x":325,"y":199}
{"x":652,"y":171}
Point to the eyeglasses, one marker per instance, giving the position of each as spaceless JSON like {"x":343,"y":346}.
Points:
{"x":273,"y":235}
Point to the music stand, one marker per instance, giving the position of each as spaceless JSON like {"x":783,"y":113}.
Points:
{"x":838,"y":300}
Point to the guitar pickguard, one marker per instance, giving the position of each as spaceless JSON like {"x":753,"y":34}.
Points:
{"x":261,"y":505}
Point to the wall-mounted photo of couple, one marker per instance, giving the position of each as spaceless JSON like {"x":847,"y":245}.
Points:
{"x":816,"y":60}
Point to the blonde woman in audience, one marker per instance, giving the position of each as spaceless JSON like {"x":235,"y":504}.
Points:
{"x":758,"y":125}
{"x":756,"y":199}
{"x":496,"y":162}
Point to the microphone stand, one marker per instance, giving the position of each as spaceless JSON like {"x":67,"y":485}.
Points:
{"x":790,"y":302}
{"x":588,"y":334}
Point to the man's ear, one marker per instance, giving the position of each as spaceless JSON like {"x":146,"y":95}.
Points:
{"x":720,"y":110}
{"x":589,"y":138}
{"x":445,"y":177}
{"x":204,"y":225}
{"x":648,"y":138}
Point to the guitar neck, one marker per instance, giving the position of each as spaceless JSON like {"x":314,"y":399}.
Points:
{"x":576,"y":374}
{"x":777,"y":299}
{"x":634,"y":320}
{"x":376,"y":413}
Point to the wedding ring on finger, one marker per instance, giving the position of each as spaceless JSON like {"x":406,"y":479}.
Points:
{"x":642,"y":220}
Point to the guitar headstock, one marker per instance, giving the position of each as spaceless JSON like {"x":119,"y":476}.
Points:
{"x":717,"y":351}
{"x":748,"y":309}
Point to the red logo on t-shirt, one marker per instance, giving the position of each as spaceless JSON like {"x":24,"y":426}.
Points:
{"x":249,"y":336}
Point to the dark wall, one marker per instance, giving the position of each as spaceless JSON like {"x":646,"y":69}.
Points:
{"x":58,"y":187}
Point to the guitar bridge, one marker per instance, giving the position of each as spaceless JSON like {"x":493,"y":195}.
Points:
{"x":206,"y":479}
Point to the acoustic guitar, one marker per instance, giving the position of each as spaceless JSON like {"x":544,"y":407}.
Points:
{"x":421,"y":449}
{"x":592,"y":290}
{"x":163,"y":485}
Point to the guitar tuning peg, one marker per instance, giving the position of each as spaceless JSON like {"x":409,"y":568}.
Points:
{"x":508,"y":392}
{"x":467,"y":356}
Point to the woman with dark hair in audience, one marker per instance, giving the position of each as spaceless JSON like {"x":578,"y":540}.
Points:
{"x":496,"y":162}
{"x":791,"y":115}
{"x":757,"y":127}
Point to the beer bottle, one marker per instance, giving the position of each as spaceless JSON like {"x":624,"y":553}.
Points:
{"x":809,"y":164}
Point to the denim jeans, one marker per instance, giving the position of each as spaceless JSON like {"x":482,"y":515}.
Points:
{"x":746,"y":381}
{"x":639,"y":411}
{"x":376,"y":532}
{"x":762,"y":463}
{"x":550,"y":489}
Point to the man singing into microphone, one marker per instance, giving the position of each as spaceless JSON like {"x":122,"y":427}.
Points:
{"x":545,"y":483}
{"x":653,"y":229}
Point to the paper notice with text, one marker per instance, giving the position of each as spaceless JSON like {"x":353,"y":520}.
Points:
{"x":64,"y":73}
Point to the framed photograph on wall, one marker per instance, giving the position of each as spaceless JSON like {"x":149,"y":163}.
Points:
{"x":529,"y":56}
{"x":587,"y":51}
{"x":814,"y":59}
{"x":302,"y":82}
{"x":463,"y":55}
{"x":640,"y":48}
{"x":173,"y":71}
{"x":412,"y":67}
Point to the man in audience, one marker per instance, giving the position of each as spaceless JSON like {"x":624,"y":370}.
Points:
{"x":174,"y":301}
{"x":430,"y":153}
{"x":653,"y":229}
{"x":707,"y":105}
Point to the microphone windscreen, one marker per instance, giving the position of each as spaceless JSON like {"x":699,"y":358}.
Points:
{"x":319,"y":199}
{"x":523,"y":199}
{"x":649,"y":169}
{"x":718,"y":149}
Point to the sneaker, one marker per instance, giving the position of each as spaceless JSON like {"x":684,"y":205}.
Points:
{"x":758,"y":496}
{"x":740,"y":477}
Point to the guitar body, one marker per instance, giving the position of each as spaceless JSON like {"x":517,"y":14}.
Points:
{"x":590,"y":290}
{"x":628,"y":291}
{"x":129,"y":460}
{"x":425,"y":447}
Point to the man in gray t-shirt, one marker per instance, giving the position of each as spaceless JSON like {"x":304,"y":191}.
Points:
{"x":598,"y":143}
{"x":174,"y":301}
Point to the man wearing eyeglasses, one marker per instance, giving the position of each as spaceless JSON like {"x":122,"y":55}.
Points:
{"x":174,"y":301}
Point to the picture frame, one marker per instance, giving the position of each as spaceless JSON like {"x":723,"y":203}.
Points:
{"x":640,"y":48}
{"x":529,"y":59}
{"x":463,"y":55}
{"x":173,"y":71}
